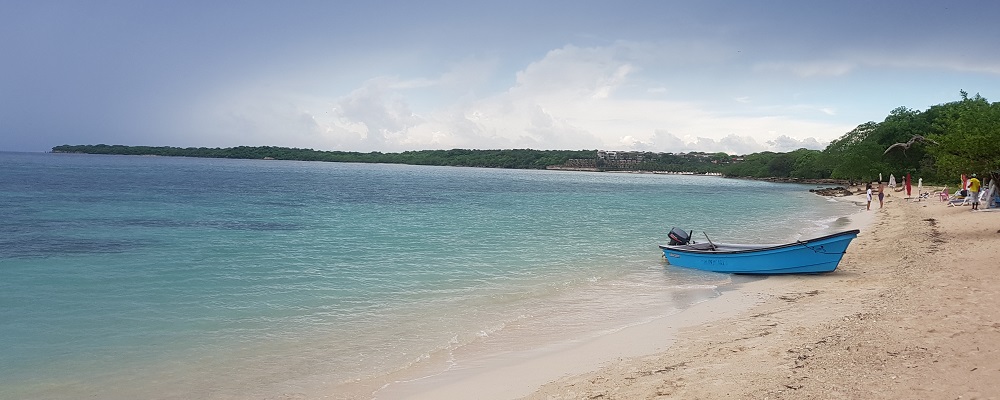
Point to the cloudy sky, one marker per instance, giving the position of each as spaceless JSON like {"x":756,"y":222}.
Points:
{"x":666,"y":76}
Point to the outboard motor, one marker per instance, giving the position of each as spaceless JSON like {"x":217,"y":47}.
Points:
{"x":678,"y":237}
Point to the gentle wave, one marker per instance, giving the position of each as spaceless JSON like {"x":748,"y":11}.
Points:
{"x":183,"y":278}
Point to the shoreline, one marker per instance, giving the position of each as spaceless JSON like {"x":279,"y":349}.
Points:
{"x":910,"y":313}
{"x":518,"y":376}
{"x":804,"y":181}
{"x":521,"y":374}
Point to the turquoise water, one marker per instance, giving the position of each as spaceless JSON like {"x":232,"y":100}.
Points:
{"x":147,"y":277}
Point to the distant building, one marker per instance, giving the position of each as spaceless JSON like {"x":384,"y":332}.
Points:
{"x":631,"y":160}
{"x":620,"y":159}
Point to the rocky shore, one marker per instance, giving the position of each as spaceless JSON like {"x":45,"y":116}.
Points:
{"x":841,"y":182}
{"x":838,"y":191}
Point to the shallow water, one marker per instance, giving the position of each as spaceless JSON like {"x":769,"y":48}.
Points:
{"x":125,"y":277}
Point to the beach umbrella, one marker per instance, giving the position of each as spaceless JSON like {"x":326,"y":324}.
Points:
{"x":907,"y":184}
{"x":920,"y":185}
{"x":880,"y":177}
{"x":892,"y":180}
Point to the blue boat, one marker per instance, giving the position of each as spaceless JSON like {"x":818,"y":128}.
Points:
{"x":811,"y":256}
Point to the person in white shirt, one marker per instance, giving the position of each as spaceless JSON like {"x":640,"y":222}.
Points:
{"x":868,"y":190}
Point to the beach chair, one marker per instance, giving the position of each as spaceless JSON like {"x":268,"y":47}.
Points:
{"x":943,"y":196}
{"x":959,"y":200}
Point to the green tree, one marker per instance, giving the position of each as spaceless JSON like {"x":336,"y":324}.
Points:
{"x":901,"y":126}
{"x":969,"y":138}
{"x":855,"y":155}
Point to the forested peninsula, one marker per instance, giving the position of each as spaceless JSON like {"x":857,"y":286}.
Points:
{"x":937,"y":144}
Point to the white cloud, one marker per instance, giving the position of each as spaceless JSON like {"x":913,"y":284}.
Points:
{"x":733,"y":144}
{"x":293,"y":77}
{"x":382,"y":115}
{"x":463,"y":75}
{"x":575,"y":72}
{"x":667,"y":142}
{"x":605,"y":88}
{"x":784,"y":143}
{"x":572,"y":98}
{"x":740,"y":145}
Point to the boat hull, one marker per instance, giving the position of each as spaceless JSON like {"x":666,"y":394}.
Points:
{"x":817,"y":255}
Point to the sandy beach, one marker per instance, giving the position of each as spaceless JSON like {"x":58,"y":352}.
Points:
{"x":911,"y":313}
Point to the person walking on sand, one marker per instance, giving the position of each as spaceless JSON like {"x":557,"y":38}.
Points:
{"x":881,"y":195}
{"x":974,"y":191}
{"x":868,"y":192}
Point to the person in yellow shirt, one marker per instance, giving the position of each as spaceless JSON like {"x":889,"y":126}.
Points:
{"x":974,"y":191}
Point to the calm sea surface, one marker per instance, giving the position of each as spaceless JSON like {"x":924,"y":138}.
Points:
{"x":174,"y":278}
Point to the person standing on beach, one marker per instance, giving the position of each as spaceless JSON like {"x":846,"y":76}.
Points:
{"x":974,"y":191}
{"x":868,"y":192}
{"x":881,"y":195}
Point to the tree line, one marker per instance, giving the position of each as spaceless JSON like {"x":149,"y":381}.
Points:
{"x":513,"y":159}
{"x":937,"y":144}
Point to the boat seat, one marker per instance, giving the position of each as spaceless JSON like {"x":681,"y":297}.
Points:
{"x":700,"y":246}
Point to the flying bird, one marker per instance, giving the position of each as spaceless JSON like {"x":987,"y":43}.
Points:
{"x":904,"y":146}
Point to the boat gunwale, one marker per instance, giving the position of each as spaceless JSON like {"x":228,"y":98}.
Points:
{"x":681,"y":249}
